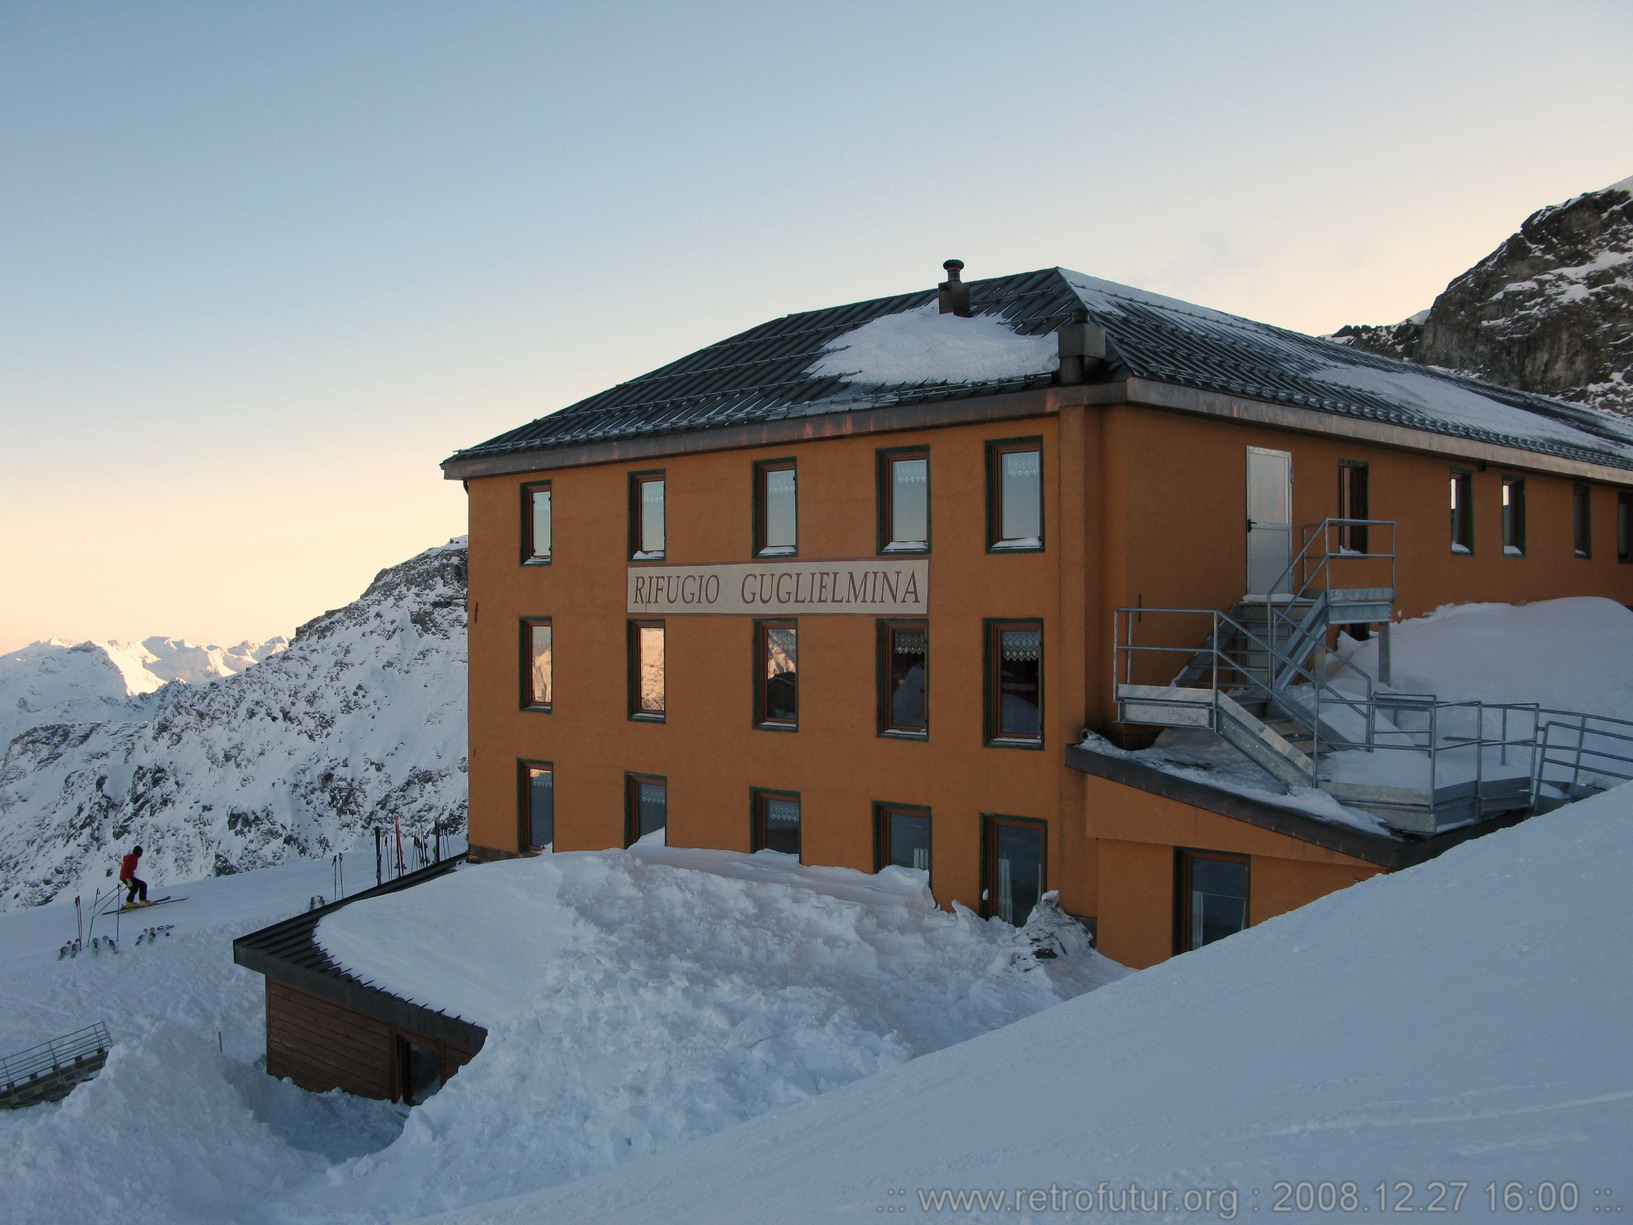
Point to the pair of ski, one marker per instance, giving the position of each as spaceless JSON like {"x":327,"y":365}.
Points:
{"x":158,"y":901}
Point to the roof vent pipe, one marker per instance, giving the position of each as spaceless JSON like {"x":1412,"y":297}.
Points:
{"x":1082,"y":347}
{"x":954,"y":295}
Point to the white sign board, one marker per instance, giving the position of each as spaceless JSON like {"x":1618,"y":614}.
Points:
{"x":882,"y":588}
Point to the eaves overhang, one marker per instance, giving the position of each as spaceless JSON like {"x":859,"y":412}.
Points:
{"x":1046,"y":401}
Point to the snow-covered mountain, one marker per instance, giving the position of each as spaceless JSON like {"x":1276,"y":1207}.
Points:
{"x":357,"y":722}
{"x":58,"y":681}
{"x":1549,"y":311}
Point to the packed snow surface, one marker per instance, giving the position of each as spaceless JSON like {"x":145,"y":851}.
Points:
{"x":1464,"y":1021}
{"x":925,"y":346}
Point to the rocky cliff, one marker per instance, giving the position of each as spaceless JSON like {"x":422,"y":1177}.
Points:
{"x":1549,"y":311}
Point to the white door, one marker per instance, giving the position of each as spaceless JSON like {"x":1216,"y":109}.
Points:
{"x":1269,"y":520}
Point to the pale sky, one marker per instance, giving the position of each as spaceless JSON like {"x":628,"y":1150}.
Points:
{"x":266,"y":264}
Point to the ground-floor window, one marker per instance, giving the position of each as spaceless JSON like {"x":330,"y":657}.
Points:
{"x":776,"y":824}
{"x":1014,"y":856}
{"x":646,"y":806}
{"x":538,"y":805}
{"x":1212,"y":901}
{"x":901,"y":836}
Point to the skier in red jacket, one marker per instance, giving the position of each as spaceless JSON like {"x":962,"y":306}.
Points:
{"x":136,"y":888}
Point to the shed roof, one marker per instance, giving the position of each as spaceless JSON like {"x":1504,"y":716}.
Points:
{"x":817,"y":362}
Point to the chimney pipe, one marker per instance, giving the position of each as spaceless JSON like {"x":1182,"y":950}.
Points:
{"x":1082,"y":347}
{"x":954,"y":295}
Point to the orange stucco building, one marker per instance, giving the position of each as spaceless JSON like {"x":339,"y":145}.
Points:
{"x":847,"y":585}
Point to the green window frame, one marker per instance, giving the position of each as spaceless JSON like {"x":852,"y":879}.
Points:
{"x":776,"y":508}
{"x":538,"y":524}
{"x":535,"y":789}
{"x":538,"y":664}
{"x":903,"y":478}
{"x":648,"y":665}
{"x":1015,"y":519}
{"x":645,"y":796}
{"x":648,"y":534}
{"x":769,"y":824}
{"x":1014,"y":681}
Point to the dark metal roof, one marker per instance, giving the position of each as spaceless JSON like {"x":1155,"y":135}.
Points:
{"x":764,"y":374}
{"x":288,"y":951}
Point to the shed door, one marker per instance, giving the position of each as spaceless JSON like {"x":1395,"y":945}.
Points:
{"x":1269,"y":519}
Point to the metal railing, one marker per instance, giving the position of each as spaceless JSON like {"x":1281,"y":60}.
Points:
{"x":1579,"y":753}
{"x":1308,"y":577}
{"x":60,"y":1054}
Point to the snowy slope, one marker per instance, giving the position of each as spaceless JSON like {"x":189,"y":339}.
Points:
{"x":87,"y":682}
{"x":359,"y":721}
{"x":665,"y":994}
{"x":1465,"y":1020}
{"x":1462,"y":1021}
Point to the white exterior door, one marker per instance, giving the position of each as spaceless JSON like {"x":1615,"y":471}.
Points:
{"x":1269,"y":519}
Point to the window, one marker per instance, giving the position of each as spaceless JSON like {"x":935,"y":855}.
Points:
{"x":646,"y":516}
{"x":1513,"y":516}
{"x":1624,"y":527}
{"x":776,"y":509}
{"x":538,"y":805}
{"x":1014,"y":690}
{"x":1582,"y":520}
{"x":904,"y":678}
{"x":1015,"y":494}
{"x":536,"y":528}
{"x":1013,"y":867}
{"x":904,"y":501}
{"x":536,"y":671}
{"x":776,"y":674}
{"x":901,"y":836}
{"x":646,"y":697}
{"x":775,"y":821}
{"x":1462,"y":511}
{"x":646,"y":806}
{"x":1352,"y":504}
{"x":1212,"y":899}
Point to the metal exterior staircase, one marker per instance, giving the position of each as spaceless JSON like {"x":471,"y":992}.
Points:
{"x":1264,"y":682}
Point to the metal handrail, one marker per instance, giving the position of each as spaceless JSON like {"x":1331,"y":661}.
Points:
{"x":1576,"y":723}
{"x":52,"y":1056}
{"x":1306,"y":568}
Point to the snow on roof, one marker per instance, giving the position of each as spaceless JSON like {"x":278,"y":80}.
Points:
{"x":1460,"y":402}
{"x":900,"y":350}
{"x":924,"y":346}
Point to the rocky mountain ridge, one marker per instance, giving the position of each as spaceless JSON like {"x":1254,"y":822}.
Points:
{"x":358,"y":723}
{"x":1549,"y":311}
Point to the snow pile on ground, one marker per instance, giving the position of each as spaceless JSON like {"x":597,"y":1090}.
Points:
{"x":1464,"y":1021}
{"x":1569,"y":654}
{"x":358,"y":723}
{"x":635,"y":999}
{"x":62,"y":682}
{"x":925,"y":346}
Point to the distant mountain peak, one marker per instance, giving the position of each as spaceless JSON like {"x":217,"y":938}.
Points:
{"x":1549,"y":311}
